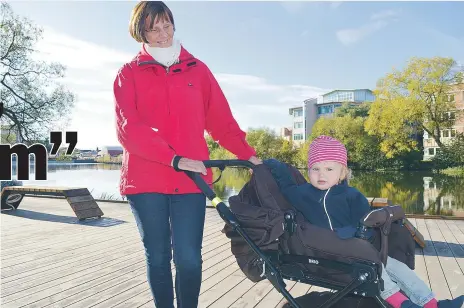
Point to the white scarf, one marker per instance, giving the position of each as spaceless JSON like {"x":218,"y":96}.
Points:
{"x":167,"y":55}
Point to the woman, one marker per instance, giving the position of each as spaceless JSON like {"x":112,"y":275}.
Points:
{"x":165,"y":99}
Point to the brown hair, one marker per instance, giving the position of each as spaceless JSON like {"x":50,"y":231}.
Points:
{"x":147,"y":11}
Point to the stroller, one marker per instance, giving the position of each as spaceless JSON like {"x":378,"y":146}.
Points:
{"x":271,"y":240}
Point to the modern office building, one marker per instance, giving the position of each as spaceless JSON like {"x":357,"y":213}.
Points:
{"x":304,"y":116}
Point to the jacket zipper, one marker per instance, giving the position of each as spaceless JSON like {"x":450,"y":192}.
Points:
{"x":325,"y":209}
{"x":167,"y":90}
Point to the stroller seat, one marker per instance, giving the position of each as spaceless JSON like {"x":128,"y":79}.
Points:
{"x":270,"y":240}
{"x":304,"y":252}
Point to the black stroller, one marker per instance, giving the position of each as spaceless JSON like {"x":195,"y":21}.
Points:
{"x":271,"y":240}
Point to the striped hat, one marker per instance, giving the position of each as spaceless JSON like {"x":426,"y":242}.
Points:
{"x":326,"y":148}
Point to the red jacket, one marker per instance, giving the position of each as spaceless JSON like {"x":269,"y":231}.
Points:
{"x":161,"y":113}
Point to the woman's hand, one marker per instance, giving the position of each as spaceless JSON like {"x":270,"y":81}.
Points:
{"x":254,"y":160}
{"x":192,"y":165}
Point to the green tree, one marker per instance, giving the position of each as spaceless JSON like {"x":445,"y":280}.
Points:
{"x":269,"y":145}
{"x":347,"y":108}
{"x":363,"y":150}
{"x":287,"y":153}
{"x":33,"y":98}
{"x":412,"y":100}
{"x":212,"y":145}
{"x":450,"y":155}
{"x":265,"y":141}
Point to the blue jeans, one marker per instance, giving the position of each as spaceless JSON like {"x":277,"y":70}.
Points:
{"x":397,"y":275}
{"x":159,"y":218}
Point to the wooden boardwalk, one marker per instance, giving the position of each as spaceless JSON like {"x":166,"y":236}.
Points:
{"x":49,"y":259}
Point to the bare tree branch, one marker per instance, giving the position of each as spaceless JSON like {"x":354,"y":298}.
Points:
{"x":34,"y":100}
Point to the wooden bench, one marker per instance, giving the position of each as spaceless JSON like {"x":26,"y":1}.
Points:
{"x":80,"y":199}
{"x":379,"y":202}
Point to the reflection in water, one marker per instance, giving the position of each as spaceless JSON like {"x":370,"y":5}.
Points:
{"x":102,"y":180}
{"x":418,"y":192}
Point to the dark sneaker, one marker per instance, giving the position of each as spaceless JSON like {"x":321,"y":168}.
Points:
{"x":458,"y":302}
{"x":409,"y":304}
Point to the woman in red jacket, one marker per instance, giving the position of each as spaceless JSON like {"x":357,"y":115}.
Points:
{"x":165,"y":99}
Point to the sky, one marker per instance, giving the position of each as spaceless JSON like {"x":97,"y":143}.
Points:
{"x":267,"y":56}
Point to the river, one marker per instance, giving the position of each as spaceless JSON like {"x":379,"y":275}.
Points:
{"x":417,"y":192}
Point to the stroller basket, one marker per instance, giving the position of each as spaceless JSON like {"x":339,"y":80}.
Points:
{"x":354,"y":275}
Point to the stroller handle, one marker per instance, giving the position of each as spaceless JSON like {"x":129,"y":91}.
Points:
{"x":222,"y":163}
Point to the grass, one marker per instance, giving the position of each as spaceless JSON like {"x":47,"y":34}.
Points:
{"x":456,"y":171}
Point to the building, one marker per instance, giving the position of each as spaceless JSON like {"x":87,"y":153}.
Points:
{"x":447,"y":135}
{"x":286,"y":133}
{"x":298,"y":125}
{"x":111,"y":151}
{"x":304,"y":117}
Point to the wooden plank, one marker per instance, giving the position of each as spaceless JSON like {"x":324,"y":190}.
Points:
{"x":420,"y":267}
{"x":81,"y":198}
{"x":458,"y":234}
{"x":452,"y":272}
{"x":298,"y":290}
{"x":76,"y":192}
{"x":217,"y":290}
{"x":457,"y":253}
{"x":233,"y":294}
{"x":437,"y":279}
{"x":273,"y":297}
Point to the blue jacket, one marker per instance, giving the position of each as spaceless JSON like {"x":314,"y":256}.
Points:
{"x":339,"y":208}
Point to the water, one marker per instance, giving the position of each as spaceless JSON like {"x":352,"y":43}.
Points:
{"x":417,"y":192}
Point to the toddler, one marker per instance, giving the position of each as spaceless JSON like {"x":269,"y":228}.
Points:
{"x":329,"y":202}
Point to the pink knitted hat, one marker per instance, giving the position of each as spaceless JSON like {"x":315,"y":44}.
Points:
{"x":326,"y":148}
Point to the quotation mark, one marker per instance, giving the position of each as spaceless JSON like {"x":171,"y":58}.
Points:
{"x":1,"y":109}
{"x":57,"y":139}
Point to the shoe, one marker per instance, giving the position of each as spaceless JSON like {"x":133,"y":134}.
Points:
{"x":458,"y":302}
{"x":409,"y":304}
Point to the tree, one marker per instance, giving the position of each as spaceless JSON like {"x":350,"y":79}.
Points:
{"x":33,"y":100}
{"x":265,"y":141}
{"x":451,"y":155}
{"x":347,"y":108}
{"x":411,"y":101}
{"x":363,"y":150}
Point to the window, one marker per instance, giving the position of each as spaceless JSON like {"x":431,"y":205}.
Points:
{"x":431,"y":151}
{"x":325,"y":109}
{"x":451,"y":115}
{"x":298,"y":125}
{"x":298,"y":137}
{"x":298,"y":113}
{"x":446,"y":133}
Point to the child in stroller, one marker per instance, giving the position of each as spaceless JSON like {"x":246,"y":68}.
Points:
{"x":327,"y":201}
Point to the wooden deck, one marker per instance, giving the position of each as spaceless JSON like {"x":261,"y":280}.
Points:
{"x":50,"y":259}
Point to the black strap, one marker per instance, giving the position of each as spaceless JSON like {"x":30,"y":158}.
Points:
{"x":175,"y":162}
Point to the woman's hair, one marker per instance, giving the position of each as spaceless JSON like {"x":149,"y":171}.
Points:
{"x":152,"y":9}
